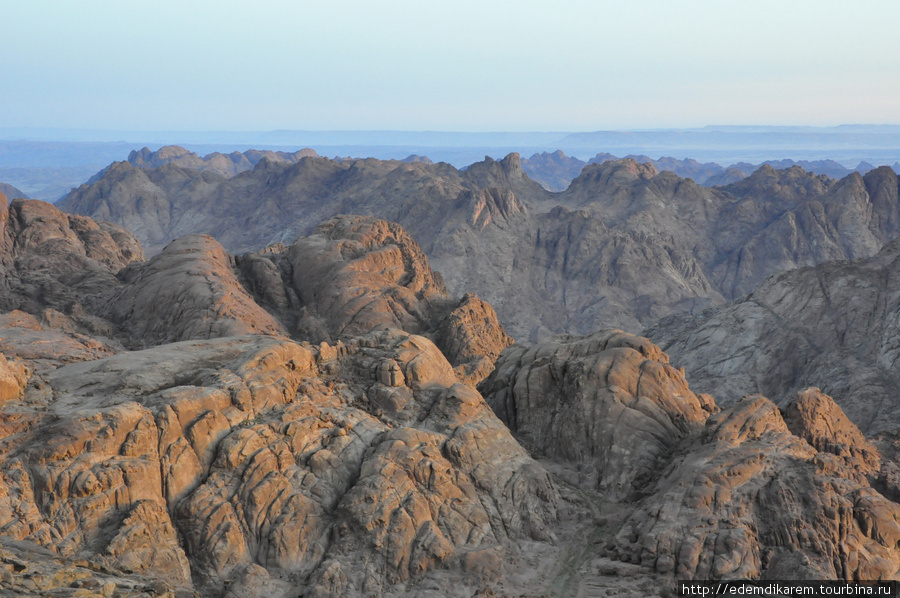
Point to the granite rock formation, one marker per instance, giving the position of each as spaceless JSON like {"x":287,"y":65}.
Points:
{"x":189,"y":291}
{"x":742,"y":493}
{"x":623,"y":245}
{"x":226,"y":459}
{"x":304,"y":421}
{"x":833,"y":326}
{"x":748,"y":499}
{"x":609,"y":405}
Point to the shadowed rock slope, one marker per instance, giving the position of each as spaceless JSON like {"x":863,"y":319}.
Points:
{"x":11,"y":192}
{"x":623,"y":245}
{"x":834,"y":326}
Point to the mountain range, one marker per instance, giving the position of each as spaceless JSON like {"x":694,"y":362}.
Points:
{"x":623,"y":246}
{"x":278,"y":374}
{"x":323,"y":418}
{"x":555,"y":171}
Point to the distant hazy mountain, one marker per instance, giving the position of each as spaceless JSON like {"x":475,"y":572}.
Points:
{"x":225,"y":164}
{"x":555,"y":171}
{"x":11,"y":192}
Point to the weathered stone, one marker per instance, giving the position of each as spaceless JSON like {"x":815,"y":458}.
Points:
{"x":608,"y":405}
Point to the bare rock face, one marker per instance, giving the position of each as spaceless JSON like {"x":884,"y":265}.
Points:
{"x":816,"y":418}
{"x":50,"y":259}
{"x":240,"y":463}
{"x":28,"y":569}
{"x":833,"y":326}
{"x":625,"y":244}
{"x":48,"y":341}
{"x":472,"y":339}
{"x":748,"y":499}
{"x":609,"y":405}
{"x":14,"y":376}
{"x":704,"y":494}
{"x":356,"y":273}
{"x":246,"y":464}
{"x":189,"y":291}
{"x":275,"y":473}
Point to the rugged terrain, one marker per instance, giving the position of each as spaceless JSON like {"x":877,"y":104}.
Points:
{"x":834,"y":325}
{"x":624,"y":245}
{"x":555,"y":171}
{"x":226,"y":165}
{"x":318,"y":419}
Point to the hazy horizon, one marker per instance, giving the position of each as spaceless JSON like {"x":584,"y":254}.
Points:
{"x":464,"y":67}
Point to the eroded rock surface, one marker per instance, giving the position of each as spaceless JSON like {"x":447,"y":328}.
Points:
{"x":261,"y":462}
{"x":472,"y":338}
{"x":355,"y":273}
{"x":14,"y":376}
{"x":189,"y":291}
{"x":748,"y":499}
{"x":359,"y":458}
{"x":609,"y":404}
{"x":833,"y":326}
{"x":50,"y":259}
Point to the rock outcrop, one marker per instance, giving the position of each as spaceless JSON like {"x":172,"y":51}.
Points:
{"x":66,"y":263}
{"x":268,"y":467}
{"x":609,"y":405}
{"x":187,"y":292}
{"x":748,"y":499}
{"x":833,"y":326}
{"x":472,"y":339}
{"x":355,"y":273}
{"x":14,"y":375}
{"x":816,"y":418}
{"x":305,"y":420}
{"x":739,"y":493}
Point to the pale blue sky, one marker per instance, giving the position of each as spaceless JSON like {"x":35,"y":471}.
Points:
{"x":455,"y":66}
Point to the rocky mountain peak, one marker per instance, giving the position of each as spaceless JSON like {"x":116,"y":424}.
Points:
{"x":506,"y":173}
{"x":223,"y":459}
{"x":815,"y":417}
{"x":791,"y":184}
{"x":601,"y":177}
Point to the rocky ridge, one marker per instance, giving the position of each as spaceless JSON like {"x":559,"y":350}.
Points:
{"x":226,"y":165}
{"x":11,"y":192}
{"x":833,"y":326}
{"x":624,"y":245}
{"x":555,"y":171}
